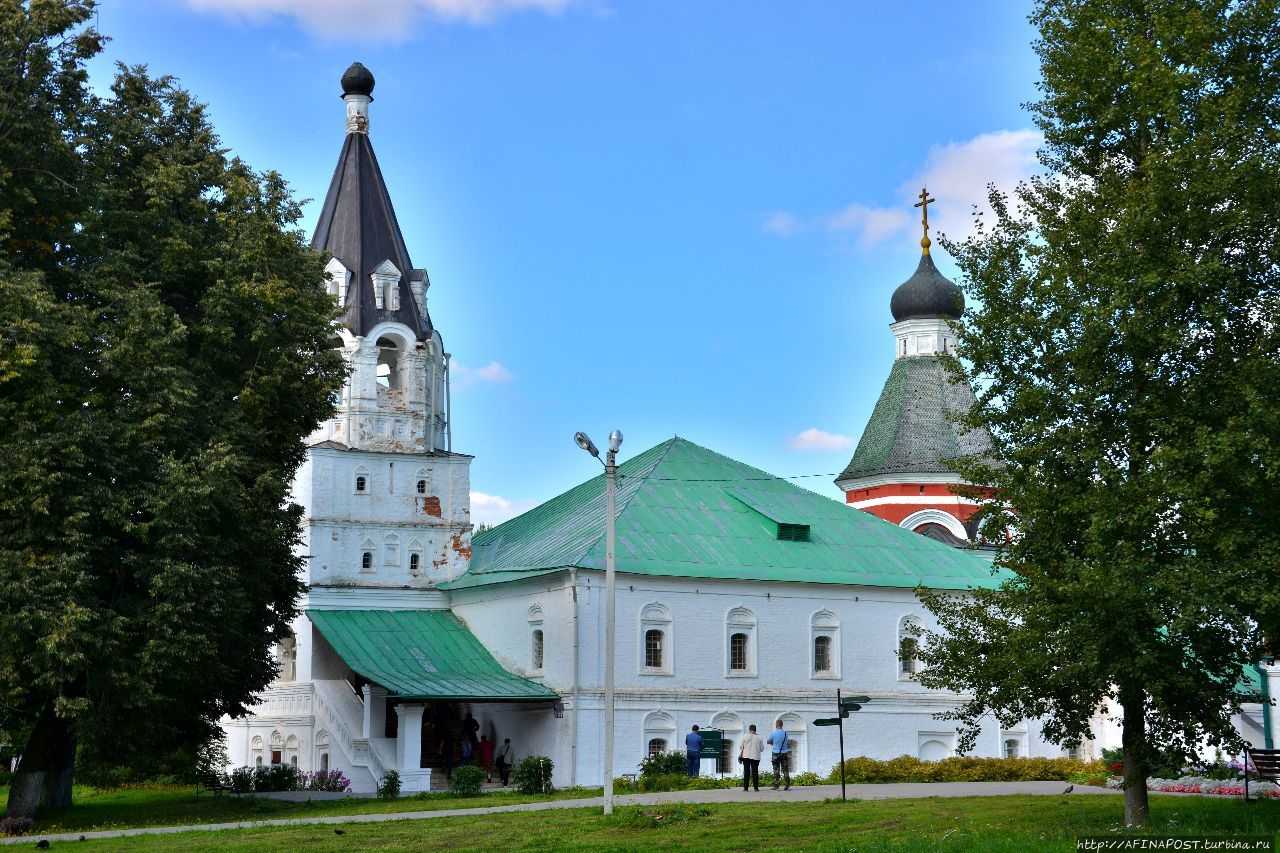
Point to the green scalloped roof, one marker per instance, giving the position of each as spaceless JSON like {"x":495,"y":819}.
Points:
{"x":912,"y":428}
{"x":686,"y":511}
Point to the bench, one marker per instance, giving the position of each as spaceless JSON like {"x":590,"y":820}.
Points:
{"x":214,"y":782}
{"x":1266,"y":765}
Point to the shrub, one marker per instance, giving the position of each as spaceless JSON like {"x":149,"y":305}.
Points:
{"x":389,"y":788}
{"x":241,"y":780}
{"x":467,"y":781}
{"x":15,"y":825}
{"x":806,"y":778}
{"x":326,"y":780}
{"x":533,"y":775}
{"x":665,"y":782}
{"x":276,"y":777}
{"x":663,"y":763}
{"x":907,"y":768}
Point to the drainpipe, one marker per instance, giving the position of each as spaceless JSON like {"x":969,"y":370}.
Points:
{"x":1266,"y":704}
{"x":448,"y":404}
{"x":573,"y":689}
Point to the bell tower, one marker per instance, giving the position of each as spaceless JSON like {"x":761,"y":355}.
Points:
{"x":899,"y":470}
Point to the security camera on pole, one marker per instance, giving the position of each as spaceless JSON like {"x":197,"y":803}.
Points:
{"x":610,"y":583}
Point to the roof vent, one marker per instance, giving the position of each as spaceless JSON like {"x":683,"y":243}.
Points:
{"x":793,"y":532}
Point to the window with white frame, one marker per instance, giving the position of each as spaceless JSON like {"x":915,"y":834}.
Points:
{"x":337,"y":278}
{"x":656,"y":651}
{"x":824,"y":634}
{"x":366,"y":556}
{"x":1012,"y":748}
{"x":656,"y":746}
{"x":740,"y":642}
{"x":422,"y":482}
{"x":386,"y":286}
{"x":415,"y":557}
{"x":908,"y":648}
{"x":659,"y":732}
{"x":322,"y":750}
{"x":363,"y":482}
{"x":537,"y":641}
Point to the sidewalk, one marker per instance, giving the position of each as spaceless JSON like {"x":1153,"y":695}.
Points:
{"x":720,"y":795}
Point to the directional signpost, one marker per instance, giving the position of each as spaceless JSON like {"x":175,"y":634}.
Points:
{"x":845,"y":706}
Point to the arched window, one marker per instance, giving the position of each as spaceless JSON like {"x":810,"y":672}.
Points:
{"x":822,"y":654}
{"x":656,"y":650}
{"x":824,"y":632}
{"x":422,"y":487}
{"x":1011,"y":749}
{"x":656,"y":746}
{"x":908,"y":648}
{"x":362,"y":483}
{"x":415,"y":563}
{"x":291,"y":750}
{"x":740,"y":642}
{"x":322,"y":750}
{"x":277,"y":748}
{"x":730,"y":726}
{"x":366,"y":558}
{"x":659,"y":732}
{"x":537,"y":649}
{"x":388,"y":372}
{"x":738,"y":652}
{"x":653,"y":649}
{"x":256,"y":747}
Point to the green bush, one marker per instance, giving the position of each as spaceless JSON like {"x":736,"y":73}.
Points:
{"x":907,"y":768}
{"x":664,"y":763}
{"x":241,"y":780}
{"x":806,"y":778}
{"x":276,"y":777}
{"x":467,"y":780}
{"x":389,"y":788}
{"x":533,"y":775}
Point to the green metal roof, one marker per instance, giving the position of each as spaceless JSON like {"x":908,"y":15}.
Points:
{"x":685,"y":511}
{"x":422,"y":654}
{"x":912,"y":429}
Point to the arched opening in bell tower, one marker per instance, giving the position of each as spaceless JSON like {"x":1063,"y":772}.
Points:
{"x":388,"y":371}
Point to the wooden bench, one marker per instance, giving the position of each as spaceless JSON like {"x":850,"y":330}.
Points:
{"x":214,"y":782}
{"x":1266,"y":765}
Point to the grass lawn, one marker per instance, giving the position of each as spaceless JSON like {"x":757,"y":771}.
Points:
{"x":1016,"y":824}
{"x":174,"y":805}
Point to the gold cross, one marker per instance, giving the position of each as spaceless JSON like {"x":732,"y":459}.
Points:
{"x":923,"y":204}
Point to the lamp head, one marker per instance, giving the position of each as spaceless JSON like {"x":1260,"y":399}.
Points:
{"x":585,"y":443}
{"x":615,"y":440}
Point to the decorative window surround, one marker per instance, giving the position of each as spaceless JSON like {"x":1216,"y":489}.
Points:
{"x":656,"y":617}
{"x":386,"y":286}
{"x":824,"y":625}
{"x":740,"y":623}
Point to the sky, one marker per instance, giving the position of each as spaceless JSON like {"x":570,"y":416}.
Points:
{"x":668,"y":218}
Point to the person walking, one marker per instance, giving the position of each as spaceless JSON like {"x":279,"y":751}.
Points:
{"x":503,"y":760}
{"x":693,"y":750}
{"x":749,"y":758}
{"x":781,"y":756}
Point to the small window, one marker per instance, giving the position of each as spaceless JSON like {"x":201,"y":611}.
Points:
{"x":738,"y":652}
{"x":907,"y":649}
{"x":422,"y":487}
{"x":537,"y":648}
{"x":793,"y":532}
{"x":415,"y":563}
{"x":1011,"y":748}
{"x":366,"y":561}
{"x":258,"y":761}
{"x":324,"y":762}
{"x":657,"y":746}
{"x":362,"y":484}
{"x":653,"y":649}
{"x":822,"y":654}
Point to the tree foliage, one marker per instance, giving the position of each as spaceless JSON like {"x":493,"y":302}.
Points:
{"x":1126,"y":353}
{"x":163,"y":352}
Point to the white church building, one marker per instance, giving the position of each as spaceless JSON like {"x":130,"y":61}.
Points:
{"x":742,"y":599}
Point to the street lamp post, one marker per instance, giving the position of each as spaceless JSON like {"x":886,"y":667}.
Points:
{"x":610,"y":585}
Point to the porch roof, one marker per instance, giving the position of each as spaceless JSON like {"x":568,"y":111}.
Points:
{"x":422,"y":654}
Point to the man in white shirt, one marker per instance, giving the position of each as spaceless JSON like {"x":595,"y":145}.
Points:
{"x":749,"y":757}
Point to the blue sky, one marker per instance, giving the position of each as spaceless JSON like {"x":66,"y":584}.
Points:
{"x":664,"y":217}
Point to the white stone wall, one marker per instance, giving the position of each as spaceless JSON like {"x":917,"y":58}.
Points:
{"x":388,"y":518}
{"x":698,"y":687}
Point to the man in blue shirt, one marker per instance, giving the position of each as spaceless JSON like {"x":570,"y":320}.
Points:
{"x":781,"y":756}
{"x":693,"y":750}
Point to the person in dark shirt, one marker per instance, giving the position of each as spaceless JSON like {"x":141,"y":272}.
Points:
{"x":693,"y":750}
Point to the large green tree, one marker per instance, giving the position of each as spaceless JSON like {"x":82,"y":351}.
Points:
{"x":1126,"y":353}
{"x":164,"y":349}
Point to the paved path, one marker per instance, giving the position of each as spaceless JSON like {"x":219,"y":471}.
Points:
{"x":720,"y":795}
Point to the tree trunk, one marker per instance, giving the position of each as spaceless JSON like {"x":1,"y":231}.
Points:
{"x":1133,"y":739}
{"x":43,"y":778}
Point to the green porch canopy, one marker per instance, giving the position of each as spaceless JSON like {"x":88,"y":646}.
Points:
{"x":422,"y":654}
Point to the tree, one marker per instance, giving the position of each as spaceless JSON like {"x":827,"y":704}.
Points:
{"x":164,"y":349}
{"x":1126,"y":358}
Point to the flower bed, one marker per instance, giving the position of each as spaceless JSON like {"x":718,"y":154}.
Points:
{"x":1202,"y":785}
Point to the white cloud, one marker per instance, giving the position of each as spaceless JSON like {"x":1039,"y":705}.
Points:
{"x":816,"y":439}
{"x":494,"y":509}
{"x":782,"y":223}
{"x":956,"y":174}
{"x":495,"y":372}
{"x":374,"y":19}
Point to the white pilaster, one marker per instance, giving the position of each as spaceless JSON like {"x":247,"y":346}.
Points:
{"x":413,"y":777}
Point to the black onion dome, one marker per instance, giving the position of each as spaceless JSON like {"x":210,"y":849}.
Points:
{"x":357,"y":80}
{"x":928,"y":293}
